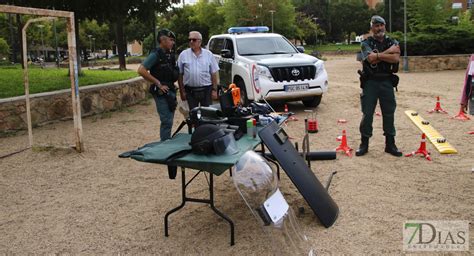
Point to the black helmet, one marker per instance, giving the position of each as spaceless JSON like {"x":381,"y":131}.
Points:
{"x":212,"y":139}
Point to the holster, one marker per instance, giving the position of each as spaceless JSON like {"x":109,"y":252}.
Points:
{"x":363,"y":77}
{"x":395,"y":80}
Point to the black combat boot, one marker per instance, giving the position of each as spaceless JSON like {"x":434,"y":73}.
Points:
{"x":390,"y":146}
{"x":364,"y":146}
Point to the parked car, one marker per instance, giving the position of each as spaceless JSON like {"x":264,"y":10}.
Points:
{"x":268,"y":66}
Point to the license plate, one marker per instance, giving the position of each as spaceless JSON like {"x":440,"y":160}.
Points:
{"x":296,"y":87}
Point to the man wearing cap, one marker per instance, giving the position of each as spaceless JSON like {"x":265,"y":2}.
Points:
{"x":159,"y":68}
{"x":380,"y":57}
{"x":197,"y":73}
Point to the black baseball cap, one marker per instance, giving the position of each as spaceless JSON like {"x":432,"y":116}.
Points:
{"x":166,"y":32}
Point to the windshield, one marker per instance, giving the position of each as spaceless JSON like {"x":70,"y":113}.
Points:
{"x":264,"y":45}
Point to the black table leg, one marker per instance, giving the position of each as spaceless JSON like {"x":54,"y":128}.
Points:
{"x":183,"y":200}
{"x":211,"y":194}
{"x":209,"y":201}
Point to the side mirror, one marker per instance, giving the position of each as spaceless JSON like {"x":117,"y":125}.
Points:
{"x":300,"y":48}
{"x":225,"y":53}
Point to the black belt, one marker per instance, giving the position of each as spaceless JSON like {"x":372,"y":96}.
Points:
{"x":380,"y":76}
{"x":197,"y":88}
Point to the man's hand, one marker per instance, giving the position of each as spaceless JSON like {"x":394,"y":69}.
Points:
{"x":164,"y":88}
{"x":373,"y":58}
{"x":182,"y":95}
{"x":394,"y":49}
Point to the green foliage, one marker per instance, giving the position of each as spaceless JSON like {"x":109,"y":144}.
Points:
{"x":439,"y":40}
{"x":44,"y":80}
{"x":424,"y":12}
{"x":209,"y":13}
{"x":307,"y":29}
{"x":4,"y":49}
{"x":349,"y":16}
{"x":181,"y":21}
{"x":97,"y":31}
{"x":253,"y":13}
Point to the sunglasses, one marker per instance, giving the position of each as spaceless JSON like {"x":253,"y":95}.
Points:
{"x":192,"y":39}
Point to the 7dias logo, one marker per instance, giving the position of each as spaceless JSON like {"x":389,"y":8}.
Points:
{"x":436,"y":236}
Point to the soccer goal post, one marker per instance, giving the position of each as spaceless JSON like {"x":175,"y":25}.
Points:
{"x":73,"y":68}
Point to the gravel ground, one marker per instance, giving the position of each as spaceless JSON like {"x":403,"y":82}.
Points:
{"x":53,"y":200}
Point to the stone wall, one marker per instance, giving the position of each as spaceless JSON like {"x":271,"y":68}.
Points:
{"x":436,"y":62}
{"x":53,"y":106}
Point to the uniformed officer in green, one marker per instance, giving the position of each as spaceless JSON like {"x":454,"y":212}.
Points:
{"x":380,"y":57}
{"x":160,"y":69}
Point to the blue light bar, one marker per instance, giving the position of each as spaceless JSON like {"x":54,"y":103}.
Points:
{"x":240,"y":30}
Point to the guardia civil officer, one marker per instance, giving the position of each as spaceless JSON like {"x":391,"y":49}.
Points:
{"x":381,"y":55}
{"x":160,"y":69}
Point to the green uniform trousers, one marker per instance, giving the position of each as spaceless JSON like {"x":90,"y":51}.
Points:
{"x":378,"y":90}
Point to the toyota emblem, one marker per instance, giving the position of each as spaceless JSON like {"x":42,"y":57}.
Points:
{"x":295,"y":72}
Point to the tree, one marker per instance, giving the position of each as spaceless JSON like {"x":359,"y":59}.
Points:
{"x":117,"y":12}
{"x":256,"y":13}
{"x":316,"y":9}
{"x":210,"y":14}
{"x":427,"y":12}
{"x":4,"y":49}
{"x":349,"y":16}
{"x":397,"y":13}
{"x":308,"y":30}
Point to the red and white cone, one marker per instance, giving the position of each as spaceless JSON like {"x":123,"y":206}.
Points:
{"x":461,"y":115}
{"x":422,"y":150}
{"x":438,"y":108}
{"x":290,"y":117}
{"x":344,"y":147}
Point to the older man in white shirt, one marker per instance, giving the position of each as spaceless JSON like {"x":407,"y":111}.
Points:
{"x":197,"y":73}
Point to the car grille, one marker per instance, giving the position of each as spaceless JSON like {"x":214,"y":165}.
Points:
{"x":290,"y":74}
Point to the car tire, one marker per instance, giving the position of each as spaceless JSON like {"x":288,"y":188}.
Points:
{"x":243,"y":93}
{"x":313,"y":101}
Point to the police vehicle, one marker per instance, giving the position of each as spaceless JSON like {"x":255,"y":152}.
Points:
{"x":268,"y":66}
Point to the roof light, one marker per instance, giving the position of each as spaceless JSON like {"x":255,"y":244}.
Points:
{"x":240,"y":30}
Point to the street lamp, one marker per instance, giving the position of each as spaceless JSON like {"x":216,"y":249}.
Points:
{"x":90,"y":43}
{"x":93,"y":40}
{"x":316,"y":31}
{"x":390,"y":15}
{"x":405,"y":57}
{"x":260,"y":12}
{"x":272,"y":11}
{"x":40,"y":26}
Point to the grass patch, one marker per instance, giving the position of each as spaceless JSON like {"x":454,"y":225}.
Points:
{"x":52,"y":79}
{"x":333,"y":48}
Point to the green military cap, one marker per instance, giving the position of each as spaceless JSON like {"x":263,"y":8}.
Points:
{"x":376,"y":19}
{"x":166,"y":32}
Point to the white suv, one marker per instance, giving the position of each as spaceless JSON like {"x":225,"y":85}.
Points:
{"x":268,"y":66}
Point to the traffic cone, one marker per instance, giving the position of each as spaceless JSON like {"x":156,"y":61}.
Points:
{"x":438,"y":107}
{"x":377,"y":113}
{"x":461,"y":115}
{"x":291,"y":116}
{"x":422,"y":150}
{"x":344,"y":147}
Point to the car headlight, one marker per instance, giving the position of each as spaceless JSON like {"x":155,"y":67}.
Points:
{"x":265,"y":72}
{"x":319,"y":68}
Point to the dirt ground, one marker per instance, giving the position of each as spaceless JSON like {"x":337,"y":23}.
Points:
{"x":53,"y":200}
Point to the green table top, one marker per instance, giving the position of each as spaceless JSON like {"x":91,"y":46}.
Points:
{"x":159,"y":152}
